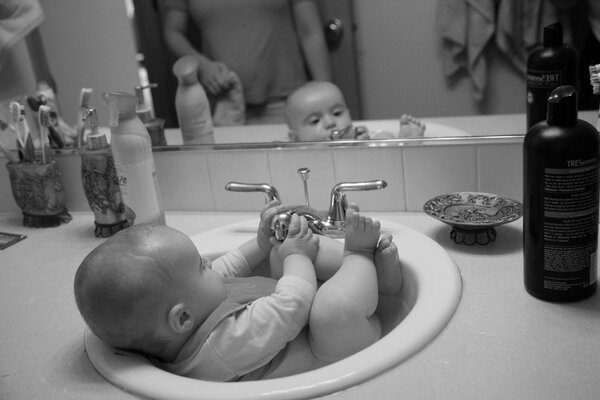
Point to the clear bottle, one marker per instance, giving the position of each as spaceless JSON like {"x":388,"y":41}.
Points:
{"x":560,"y":199}
{"x":549,"y":66}
{"x":191,"y":103}
{"x":132,"y":151}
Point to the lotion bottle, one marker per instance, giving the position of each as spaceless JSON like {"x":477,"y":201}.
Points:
{"x":132,"y":151}
{"x":191,"y":103}
{"x":548,"y":67}
{"x":560,"y":199}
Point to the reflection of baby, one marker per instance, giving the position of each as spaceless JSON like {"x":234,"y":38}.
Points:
{"x":317,"y":111}
{"x":147,"y":289}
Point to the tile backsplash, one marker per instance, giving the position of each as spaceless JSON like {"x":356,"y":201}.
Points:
{"x":194,"y":180}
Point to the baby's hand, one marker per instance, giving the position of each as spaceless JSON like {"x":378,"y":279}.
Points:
{"x":267,"y":214}
{"x":214,"y":77}
{"x":299,"y":240}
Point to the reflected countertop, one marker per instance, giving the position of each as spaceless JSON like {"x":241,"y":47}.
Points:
{"x":502,"y":342}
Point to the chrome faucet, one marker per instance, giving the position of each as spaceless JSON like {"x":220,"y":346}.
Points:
{"x":332,"y":223}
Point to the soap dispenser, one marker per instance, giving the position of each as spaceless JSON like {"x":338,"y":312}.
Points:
{"x":191,"y":103}
{"x":100,"y":183}
{"x":549,"y":66}
{"x":560,"y":202}
{"x":132,"y":151}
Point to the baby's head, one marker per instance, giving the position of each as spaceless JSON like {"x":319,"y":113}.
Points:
{"x":314,"y":110}
{"x":146,"y":289}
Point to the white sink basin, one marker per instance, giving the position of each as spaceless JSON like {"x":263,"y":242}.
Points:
{"x":411,"y":320}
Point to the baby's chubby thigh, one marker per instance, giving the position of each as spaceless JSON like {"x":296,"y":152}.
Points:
{"x":297,"y":358}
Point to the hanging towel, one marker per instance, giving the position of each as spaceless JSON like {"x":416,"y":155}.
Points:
{"x":17,"y":19}
{"x":466,"y":28}
{"x":230,"y":108}
{"x":520,"y":27}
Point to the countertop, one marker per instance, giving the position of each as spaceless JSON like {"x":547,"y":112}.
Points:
{"x":502,"y":343}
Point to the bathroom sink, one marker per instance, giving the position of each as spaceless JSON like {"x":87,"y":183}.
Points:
{"x":411,"y":320}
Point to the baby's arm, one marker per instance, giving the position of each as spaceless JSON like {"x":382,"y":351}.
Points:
{"x":257,"y":249}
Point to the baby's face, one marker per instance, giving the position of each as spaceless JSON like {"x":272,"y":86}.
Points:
{"x":314,"y":113}
{"x":202,"y":287}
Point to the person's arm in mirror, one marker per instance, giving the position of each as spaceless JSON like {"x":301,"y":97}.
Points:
{"x":214,"y":76}
{"x":312,"y":39}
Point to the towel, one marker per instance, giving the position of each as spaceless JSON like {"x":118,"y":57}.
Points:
{"x":520,"y":27}
{"x":17,"y":19}
{"x":466,"y":28}
{"x":230,"y":108}
{"x":594,"y":17}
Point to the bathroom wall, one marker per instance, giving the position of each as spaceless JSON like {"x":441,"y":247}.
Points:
{"x":90,"y":44}
{"x":194,"y":180}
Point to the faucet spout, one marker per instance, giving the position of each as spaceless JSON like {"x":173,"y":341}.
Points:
{"x":269,"y":191}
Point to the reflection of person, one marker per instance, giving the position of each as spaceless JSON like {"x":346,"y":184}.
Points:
{"x":273,"y":46}
{"x":148,"y":289}
{"x":317,"y":111}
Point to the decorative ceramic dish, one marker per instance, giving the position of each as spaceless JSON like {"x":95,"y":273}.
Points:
{"x":473,"y":215}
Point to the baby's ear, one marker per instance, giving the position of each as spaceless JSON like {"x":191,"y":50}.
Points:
{"x":180,"y":320}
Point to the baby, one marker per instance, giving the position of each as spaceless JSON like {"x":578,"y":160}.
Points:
{"x":147,"y":289}
{"x":317,"y":111}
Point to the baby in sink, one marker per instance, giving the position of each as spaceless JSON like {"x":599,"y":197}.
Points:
{"x":147,"y":289}
{"x":317,"y":111}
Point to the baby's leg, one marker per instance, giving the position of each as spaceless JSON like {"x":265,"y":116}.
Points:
{"x":342,"y":319}
{"x":387,"y":263}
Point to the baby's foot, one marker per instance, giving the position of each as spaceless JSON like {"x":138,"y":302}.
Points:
{"x":387,"y":263}
{"x":362,"y":233}
{"x":411,"y":127}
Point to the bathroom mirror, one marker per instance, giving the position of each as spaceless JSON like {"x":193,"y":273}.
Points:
{"x":397,"y":53}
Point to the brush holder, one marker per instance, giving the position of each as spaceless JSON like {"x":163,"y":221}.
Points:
{"x":38,"y":191}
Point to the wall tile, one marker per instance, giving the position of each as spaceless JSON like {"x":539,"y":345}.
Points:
{"x":366,"y":164}
{"x":246,"y":166}
{"x":433,"y":170}
{"x":184,"y":180}
{"x":500,"y":169}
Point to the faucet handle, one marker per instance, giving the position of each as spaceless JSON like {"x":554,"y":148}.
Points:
{"x":269,"y":191}
{"x":304,"y":176}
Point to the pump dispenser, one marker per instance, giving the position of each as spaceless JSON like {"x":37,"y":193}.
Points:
{"x":154,"y":126}
{"x":100,"y":183}
{"x":560,"y":199}
{"x":132,"y":151}
{"x":191,"y":103}
{"x":549,"y":66}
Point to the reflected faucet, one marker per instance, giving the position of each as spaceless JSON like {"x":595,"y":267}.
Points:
{"x":332,"y":223}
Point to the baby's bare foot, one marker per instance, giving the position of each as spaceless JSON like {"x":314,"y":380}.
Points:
{"x":362,"y":233}
{"x":411,"y":127}
{"x":387,"y":263}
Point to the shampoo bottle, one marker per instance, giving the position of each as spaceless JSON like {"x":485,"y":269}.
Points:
{"x":191,"y":103}
{"x":548,"y":67}
{"x":100,"y":182}
{"x":560,"y":199}
{"x":132,"y":151}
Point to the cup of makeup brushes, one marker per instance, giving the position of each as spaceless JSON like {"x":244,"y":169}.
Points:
{"x":38,"y":191}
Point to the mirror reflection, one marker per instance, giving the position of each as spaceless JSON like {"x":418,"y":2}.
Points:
{"x":398,"y":61}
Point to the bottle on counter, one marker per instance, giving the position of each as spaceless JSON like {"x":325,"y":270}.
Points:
{"x":100,"y":183}
{"x":191,"y":103}
{"x":132,"y":151}
{"x":549,"y":66}
{"x":560,"y":199}
{"x":154,"y":126}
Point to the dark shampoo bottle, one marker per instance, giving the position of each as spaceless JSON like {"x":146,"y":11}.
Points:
{"x":560,"y":199}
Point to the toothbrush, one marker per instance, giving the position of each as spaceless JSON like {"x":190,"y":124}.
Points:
{"x":44,"y":121}
{"x":595,"y":81}
{"x":84,"y":105}
{"x":17,"y":111}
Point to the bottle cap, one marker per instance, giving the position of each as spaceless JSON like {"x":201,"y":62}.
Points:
{"x":562,"y":106}
{"x":186,"y":70}
{"x":553,"y":35}
{"x":120,"y":105}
